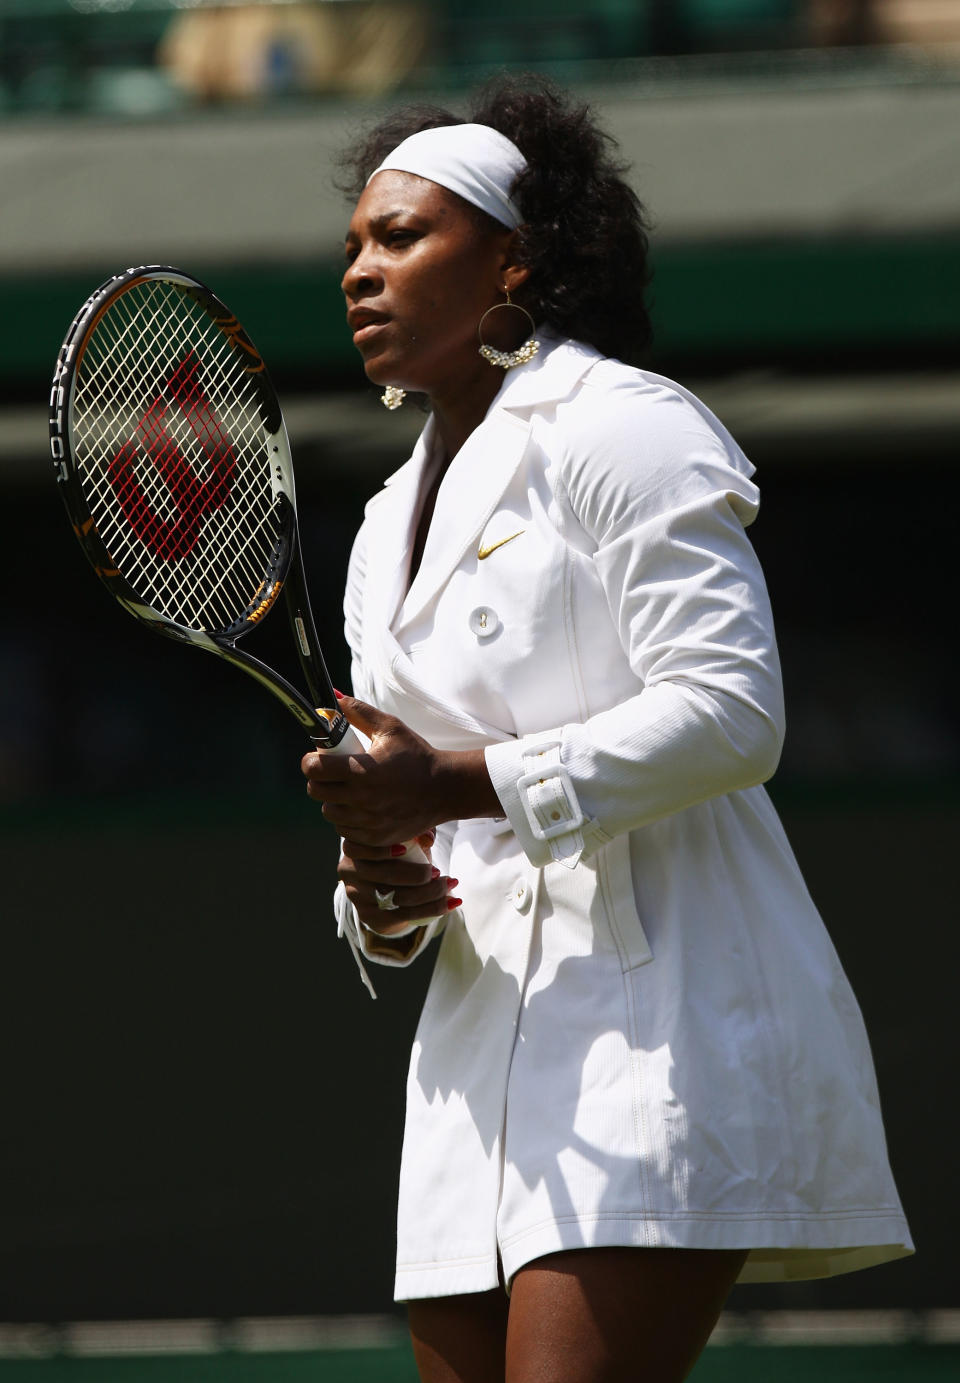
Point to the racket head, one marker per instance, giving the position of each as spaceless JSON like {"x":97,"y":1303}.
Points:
{"x":173,"y":462}
{"x":171,"y":454}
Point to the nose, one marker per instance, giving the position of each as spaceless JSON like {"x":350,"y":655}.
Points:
{"x":361,"y":275}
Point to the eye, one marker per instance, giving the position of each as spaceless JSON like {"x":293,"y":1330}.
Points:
{"x":400,"y":237}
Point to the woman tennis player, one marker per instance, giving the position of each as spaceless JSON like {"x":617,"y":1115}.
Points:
{"x":640,"y":1075}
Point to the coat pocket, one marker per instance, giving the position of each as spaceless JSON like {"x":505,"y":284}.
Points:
{"x":620,"y":904}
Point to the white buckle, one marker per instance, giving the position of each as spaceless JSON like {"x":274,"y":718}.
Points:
{"x":538,"y":750}
{"x":568,"y":825}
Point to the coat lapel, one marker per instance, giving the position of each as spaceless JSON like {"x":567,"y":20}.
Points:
{"x":483,"y":468}
{"x":391,"y":519}
{"x":472,"y":487}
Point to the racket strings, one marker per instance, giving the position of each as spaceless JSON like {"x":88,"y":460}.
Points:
{"x":173,"y":457}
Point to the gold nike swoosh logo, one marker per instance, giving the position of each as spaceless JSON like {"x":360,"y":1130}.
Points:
{"x":486,"y":551}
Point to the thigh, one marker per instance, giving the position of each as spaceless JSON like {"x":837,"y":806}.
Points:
{"x":616,"y":1315}
{"x":460,"y":1339}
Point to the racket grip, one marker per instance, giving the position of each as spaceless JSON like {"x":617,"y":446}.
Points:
{"x":351,"y":744}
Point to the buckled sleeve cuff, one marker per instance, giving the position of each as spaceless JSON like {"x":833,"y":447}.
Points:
{"x":538,"y":796}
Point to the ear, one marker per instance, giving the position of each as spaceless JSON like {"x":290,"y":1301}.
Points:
{"x":514,"y":275}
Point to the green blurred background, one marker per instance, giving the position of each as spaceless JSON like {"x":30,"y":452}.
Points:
{"x":201,"y":1105}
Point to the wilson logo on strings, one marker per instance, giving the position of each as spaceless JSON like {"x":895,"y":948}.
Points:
{"x":171,"y":539}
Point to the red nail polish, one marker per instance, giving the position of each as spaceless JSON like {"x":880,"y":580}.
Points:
{"x":338,"y":694}
{"x":398,"y":849}
{"x":434,"y":872}
{"x":453,"y":903}
{"x":452,"y":883}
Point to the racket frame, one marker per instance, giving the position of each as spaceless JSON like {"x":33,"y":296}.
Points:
{"x":319,"y":715}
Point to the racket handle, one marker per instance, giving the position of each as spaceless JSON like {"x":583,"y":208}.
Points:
{"x":350,"y":744}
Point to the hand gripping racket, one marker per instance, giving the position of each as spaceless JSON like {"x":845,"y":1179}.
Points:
{"x":173,"y":461}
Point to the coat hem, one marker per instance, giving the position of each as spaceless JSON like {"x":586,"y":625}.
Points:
{"x":784,"y":1248}
{"x":446,"y":1278}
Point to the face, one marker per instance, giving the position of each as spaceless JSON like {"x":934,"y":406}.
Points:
{"x":421,"y":271}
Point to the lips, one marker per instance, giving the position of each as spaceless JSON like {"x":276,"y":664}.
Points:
{"x":364,"y":323}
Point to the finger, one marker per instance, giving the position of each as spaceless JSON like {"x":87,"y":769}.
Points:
{"x":356,"y":851}
{"x":335,"y":795}
{"x":348,"y":819}
{"x":430,"y":899}
{"x":383,"y":920}
{"x":385,"y":874}
{"x":365,"y":717}
{"x":434,"y":896}
{"x":327,"y":768}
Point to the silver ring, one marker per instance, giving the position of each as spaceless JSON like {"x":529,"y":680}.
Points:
{"x":385,"y":900}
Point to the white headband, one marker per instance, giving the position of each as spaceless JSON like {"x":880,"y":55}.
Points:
{"x":475,"y":161}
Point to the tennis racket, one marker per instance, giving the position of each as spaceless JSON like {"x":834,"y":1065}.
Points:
{"x":173,"y":461}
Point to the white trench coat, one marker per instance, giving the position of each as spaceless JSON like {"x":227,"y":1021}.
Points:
{"x":637,"y":1031}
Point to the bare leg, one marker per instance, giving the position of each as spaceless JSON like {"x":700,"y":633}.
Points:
{"x":460,"y":1339}
{"x":615,"y":1315}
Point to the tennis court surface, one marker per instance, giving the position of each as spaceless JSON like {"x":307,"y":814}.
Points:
{"x":776,"y":1347}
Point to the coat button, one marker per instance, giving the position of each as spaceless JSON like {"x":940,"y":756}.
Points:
{"x":483,"y":621}
{"x":521,"y":895}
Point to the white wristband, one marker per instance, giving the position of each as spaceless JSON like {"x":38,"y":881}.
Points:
{"x":393,"y":936}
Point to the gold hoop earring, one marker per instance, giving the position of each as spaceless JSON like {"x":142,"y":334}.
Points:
{"x":392,"y":397}
{"x":507,"y":359}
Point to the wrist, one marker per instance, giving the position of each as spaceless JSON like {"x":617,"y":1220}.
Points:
{"x":464,"y":786}
{"x":385,"y":944}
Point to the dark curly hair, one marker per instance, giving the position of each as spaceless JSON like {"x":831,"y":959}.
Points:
{"x":584,"y":232}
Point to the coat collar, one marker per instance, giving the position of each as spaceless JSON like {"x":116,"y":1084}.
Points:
{"x":553,"y":373}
